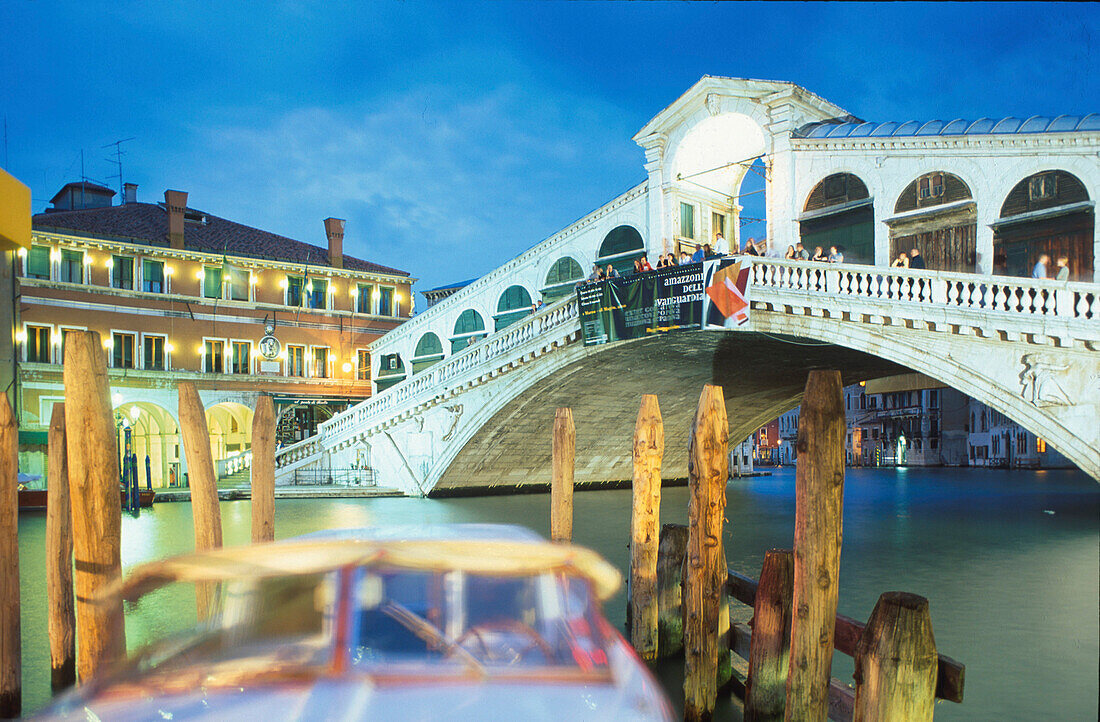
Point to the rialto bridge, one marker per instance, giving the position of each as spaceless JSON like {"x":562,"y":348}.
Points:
{"x":466,"y":390}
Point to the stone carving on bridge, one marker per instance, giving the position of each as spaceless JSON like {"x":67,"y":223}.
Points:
{"x":714,"y":103}
{"x":1041,"y":387}
{"x":456,"y":414}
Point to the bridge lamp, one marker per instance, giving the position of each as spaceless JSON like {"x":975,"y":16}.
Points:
{"x":135,"y":412}
{"x":116,"y":397}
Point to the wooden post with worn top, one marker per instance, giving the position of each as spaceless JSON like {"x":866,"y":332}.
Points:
{"x":263,"y":471}
{"x":11,"y":685}
{"x":561,"y":481}
{"x":765,"y":688}
{"x":649,"y":447}
{"x":708,"y":472}
{"x":91,"y":450}
{"x":61,"y":622}
{"x":896,"y":662}
{"x":819,"y":505}
{"x":671,"y":553}
{"x":204,"y":489}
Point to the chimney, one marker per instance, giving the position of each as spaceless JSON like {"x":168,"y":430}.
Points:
{"x":334,"y":230}
{"x":176,"y":203}
{"x":129,"y":193}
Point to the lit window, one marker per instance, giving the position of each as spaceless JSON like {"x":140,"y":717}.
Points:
{"x":154,"y":353}
{"x":318,"y":295}
{"x":38,"y":262}
{"x":295,"y":360}
{"x":212,"y":282}
{"x":122,"y":272}
{"x":320,"y":362}
{"x":363,"y":373}
{"x":123,"y":350}
{"x":1040,"y":446}
{"x":237,"y":285}
{"x":385,"y":301}
{"x":152,"y":276}
{"x":362,"y":304}
{"x":294,"y":288}
{"x":72,"y":266}
{"x":213,"y":361}
{"x":242,"y":357}
{"x":38,"y":344}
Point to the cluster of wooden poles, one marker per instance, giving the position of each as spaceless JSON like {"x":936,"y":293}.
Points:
{"x":680,"y":585}
{"x":84,"y":517}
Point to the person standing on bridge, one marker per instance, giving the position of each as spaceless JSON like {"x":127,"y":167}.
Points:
{"x":916,"y":260}
{"x":801,"y":253}
{"x":902,"y":261}
{"x":1063,"y":268}
{"x":819,"y":255}
{"x":1040,"y":270}
{"x":596,"y":275}
{"x":720,"y":246}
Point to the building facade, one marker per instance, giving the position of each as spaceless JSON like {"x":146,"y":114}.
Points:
{"x":178,"y":294}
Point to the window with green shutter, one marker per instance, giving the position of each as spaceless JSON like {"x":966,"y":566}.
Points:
{"x":295,"y":285}
{"x":38,"y":262}
{"x":122,"y":272}
{"x":72,"y":266}
{"x":212,"y":282}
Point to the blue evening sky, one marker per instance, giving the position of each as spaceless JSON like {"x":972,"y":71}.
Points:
{"x":453,"y":136}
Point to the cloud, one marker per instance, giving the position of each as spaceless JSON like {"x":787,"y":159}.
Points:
{"x":443,"y":185}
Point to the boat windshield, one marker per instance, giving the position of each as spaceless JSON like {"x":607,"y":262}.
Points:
{"x":491,"y":622}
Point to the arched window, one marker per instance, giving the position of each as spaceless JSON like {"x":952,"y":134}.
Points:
{"x":514,"y":304}
{"x":620,"y":247}
{"x":468,"y":328}
{"x":429,"y":350}
{"x":561,"y":278}
{"x":838,"y":212}
{"x":1046,"y":213}
{"x":935,"y":215}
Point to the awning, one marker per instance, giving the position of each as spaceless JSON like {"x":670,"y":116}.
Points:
{"x":15,"y":213}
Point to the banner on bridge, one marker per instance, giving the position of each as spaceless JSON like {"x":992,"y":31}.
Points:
{"x":712,"y":294}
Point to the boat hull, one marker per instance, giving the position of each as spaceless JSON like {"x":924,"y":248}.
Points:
{"x":36,"y":499}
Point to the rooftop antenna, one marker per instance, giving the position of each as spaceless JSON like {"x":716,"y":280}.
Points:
{"x":118,"y":161}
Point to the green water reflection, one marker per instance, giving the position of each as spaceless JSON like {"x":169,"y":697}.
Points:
{"x":1009,"y":561}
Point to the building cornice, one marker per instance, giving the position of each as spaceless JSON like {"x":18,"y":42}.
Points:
{"x":1047,"y":142}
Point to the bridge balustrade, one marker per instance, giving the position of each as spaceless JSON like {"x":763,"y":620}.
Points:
{"x":910,"y":289}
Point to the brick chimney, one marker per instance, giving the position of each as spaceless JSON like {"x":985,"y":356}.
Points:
{"x":334,"y":230}
{"x":129,"y":193}
{"x":176,"y":203}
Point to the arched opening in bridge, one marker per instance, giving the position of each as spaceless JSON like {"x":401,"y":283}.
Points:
{"x":468,"y":328}
{"x":708,"y":167}
{"x":751,"y":208}
{"x":1046,"y":213}
{"x":620,"y":248}
{"x":839,"y":212}
{"x":561,"y":279}
{"x":936,"y":214}
{"x":391,"y":370}
{"x":514,"y":304}
{"x":153,"y":433}
{"x":429,"y":350}
{"x":230,"y":428}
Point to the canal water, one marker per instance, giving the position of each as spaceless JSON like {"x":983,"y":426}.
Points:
{"x":1008,"y":559}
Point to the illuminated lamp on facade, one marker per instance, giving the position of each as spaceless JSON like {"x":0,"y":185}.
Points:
{"x":199,"y":274}
{"x":169,"y":270}
{"x":284,"y":284}
{"x":109,"y":263}
{"x":21,"y":336}
{"x":346,"y":367}
{"x":169,"y":347}
{"x":22,"y":252}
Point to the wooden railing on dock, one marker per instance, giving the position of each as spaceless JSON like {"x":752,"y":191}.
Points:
{"x":950,"y":679}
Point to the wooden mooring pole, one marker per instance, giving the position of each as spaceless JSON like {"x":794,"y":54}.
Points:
{"x":819,"y":502}
{"x":91,"y":450}
{"x":708,"y":472}
{"x":11,"y":685}
{"x":765,"y":688}
{"x":263,"y":471}
{"x":561,"y":481}
{"x":204,"y":488}
{"x":61,"y":622}
{"x":671,"y":554}
{"x":649,"y":447}
{"x":896,"y":662}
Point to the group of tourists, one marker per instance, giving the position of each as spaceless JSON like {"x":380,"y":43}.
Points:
{"x":912,"y":259}
{"x":1061,"y":272}
{"x":798,"y":252}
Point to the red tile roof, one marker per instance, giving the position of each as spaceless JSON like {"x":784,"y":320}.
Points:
{"x":147,"y":223}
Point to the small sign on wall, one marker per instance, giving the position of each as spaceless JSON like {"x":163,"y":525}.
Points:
{"x":269,"y":367}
